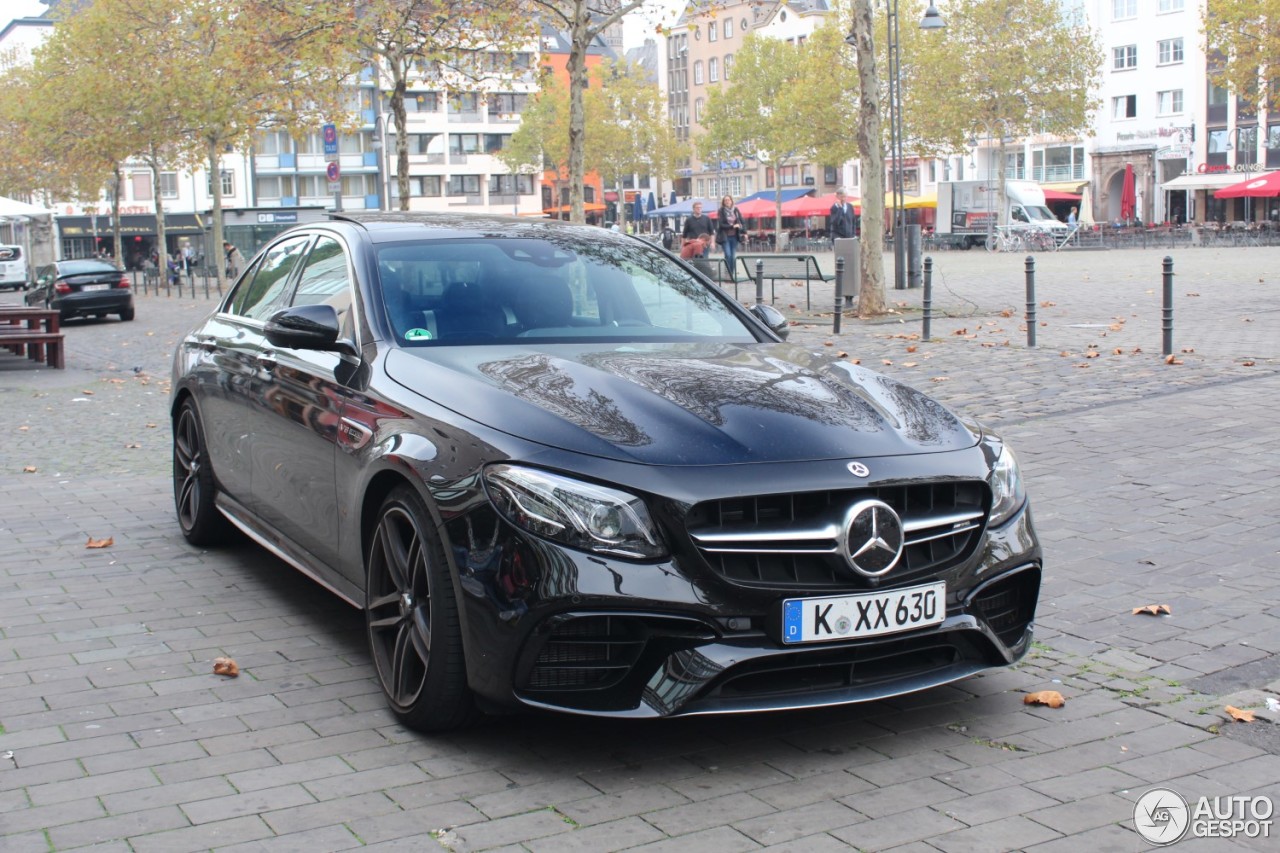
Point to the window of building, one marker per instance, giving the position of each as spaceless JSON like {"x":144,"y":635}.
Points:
{"x":1015,"y":165}
{"x":713,"y":31}
{"x":1169,"y":102}
{"x":140,"y":186}
{"x":713,"y":70}
{"x":1169,"y":6}
{"x":1169,"y":51}
{"x":273,"y":142}
{"x":728,"y":65}
{"x":421,"y":102}
{"x":830,"y":175}
{"x":274,"y":186}
{"x":1125,"y":57}
{"x":464,"y":102}
{"x":1273,"y":145}
{"x":789,"y":176}
{"x":697,"y":73}
{"x":1125,"y":106}
{"x":168,"y":184}
{"x":507,"y":103}
{"x":464,"y":143}
{"x":769,"y":179}
{"x":464,"y":185}
{"x":1057,"y":163}
{"x":728,"y":28}
{"x":228,"y":184}
{"x":1121,"y":9}
{"x":697,"y":109}
{"x":495,"y":142}
{"x":511,"y":185}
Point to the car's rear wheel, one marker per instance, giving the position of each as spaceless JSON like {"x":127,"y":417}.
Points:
{"x":412,"y":618}
{"x":127,"y":314}
{"x":193,"y":484}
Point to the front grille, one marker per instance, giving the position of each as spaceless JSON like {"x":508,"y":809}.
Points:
{"x":588,"y":652}
{"x":790,"y":541}
{"x":1008,"y":606}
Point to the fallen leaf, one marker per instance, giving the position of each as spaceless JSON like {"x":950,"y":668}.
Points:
{"x":1247,"y":363}
{"x":1081,"y":364}
{"x":1248,"y":319}
{"x":1118,"y":351}
{"x":1240,"y":715}
{"x":940,"y":379}
{"x":960,"y":332}
{"x":151,"y":426}
{"x":1153,"y":610}
{"x":23,"y":428}
{"x":1052,"y":698}
{"x":225,"y":666}
{"x":100,"y":543}
{"x":1044,"y":322}
{"x":1116,"y":327}
{"x":1093,"y":353}
{"x":1136,"y":350}
{"x":1188,"y":349}
{"x":1193,"y":294}
{"x":1065,"y":354}
{"x":30,"y":469}
{"x":1006,"y":313}
{"x":1048,"y":304}
{"x":842,"y":354}
{"x":87,"y":392}
{"x":988,"y":344}
{"x":885,"y":361}
{"x":827,"y":344}
{"x":132,"y":446}
{"x":1169,"y":359}
{"x":911,"y":348}
{"x":910,"y":363}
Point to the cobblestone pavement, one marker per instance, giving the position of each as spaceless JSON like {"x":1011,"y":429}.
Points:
{"x":1152,"y":483}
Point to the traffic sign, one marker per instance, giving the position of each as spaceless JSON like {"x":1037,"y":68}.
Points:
{"x":329,"y":134}
{"x":334,"y":173}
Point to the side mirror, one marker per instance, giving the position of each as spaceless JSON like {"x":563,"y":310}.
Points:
{"x":314,"y":327}
{"x":773,"y":318}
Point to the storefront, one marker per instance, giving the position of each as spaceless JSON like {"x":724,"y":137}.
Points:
{"x":251,"y":228}
{"x":88,"y":236}
{"x":1199,"y":187}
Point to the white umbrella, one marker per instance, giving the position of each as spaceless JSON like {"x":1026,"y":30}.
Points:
{"x":1085,"y":216}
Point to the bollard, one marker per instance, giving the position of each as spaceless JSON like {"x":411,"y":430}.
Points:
{"x":927,"y":321}
{"x":839,"y":306}
{"x":1031,"y":301}
{"x":760,"y":282}
{"x":1166,"y":324}
{"x":914,"y":237}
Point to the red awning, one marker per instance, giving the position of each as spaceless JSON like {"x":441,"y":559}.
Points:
{"x":1054,"y":195}
{"x":1263,"y":186}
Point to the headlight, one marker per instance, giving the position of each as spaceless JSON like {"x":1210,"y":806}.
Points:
{"x":1007,"y":493}
{"x":580,"y":515}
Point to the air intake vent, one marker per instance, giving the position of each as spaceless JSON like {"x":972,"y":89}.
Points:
{"x":588,"y":652}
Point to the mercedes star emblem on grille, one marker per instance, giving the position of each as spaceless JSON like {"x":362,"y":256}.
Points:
{"x":873,"y":538}
{"x":857,"y":469}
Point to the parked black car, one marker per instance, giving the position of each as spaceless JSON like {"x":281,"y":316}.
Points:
{"x":82,"y":288}
{"x":559,"y":469}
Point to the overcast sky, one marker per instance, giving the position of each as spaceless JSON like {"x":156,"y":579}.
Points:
{"x":10,"y":9}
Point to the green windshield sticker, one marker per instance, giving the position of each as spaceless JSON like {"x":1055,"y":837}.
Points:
{"x":417,"y":335}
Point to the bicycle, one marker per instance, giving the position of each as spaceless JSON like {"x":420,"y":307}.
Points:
{"x":1004,"y":239}
{"x":1039,"y":240}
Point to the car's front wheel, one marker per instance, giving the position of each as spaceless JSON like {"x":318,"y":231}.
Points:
{"x":193,"y":484}
{"x":412,"y":618}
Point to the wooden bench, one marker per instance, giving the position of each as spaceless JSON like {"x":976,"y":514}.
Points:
{"x":789,"y":267}
{"x":36,"y":344}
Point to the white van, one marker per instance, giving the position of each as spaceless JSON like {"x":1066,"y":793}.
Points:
{"x":14,"y":272}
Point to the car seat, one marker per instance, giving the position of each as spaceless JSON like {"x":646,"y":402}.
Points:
{"x":544,"y":301}
{"x":467,"y":311}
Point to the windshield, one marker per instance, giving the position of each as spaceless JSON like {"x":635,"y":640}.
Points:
{"x":1039,"y":213}
{"x":558,"y":288}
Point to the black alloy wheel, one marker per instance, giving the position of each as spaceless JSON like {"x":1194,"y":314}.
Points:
{"x":412,"y":617}
{"x":193,"y":483}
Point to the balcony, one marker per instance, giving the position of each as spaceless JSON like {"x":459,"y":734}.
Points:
{"x":466,"y":117}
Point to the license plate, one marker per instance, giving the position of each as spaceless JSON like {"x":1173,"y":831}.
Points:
{"x":96,"y":287}
{"x":870,"y":614}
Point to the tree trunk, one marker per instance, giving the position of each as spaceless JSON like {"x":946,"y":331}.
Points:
{"x":871,"y":154}
{"x":215,"y":181}
{"x":580,"y":40}
{"x":115,"y":218}
{"x":162,"y":246}
{"x":399,"y":73}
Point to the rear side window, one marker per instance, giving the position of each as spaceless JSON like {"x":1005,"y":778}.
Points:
{"x":262,"y":292}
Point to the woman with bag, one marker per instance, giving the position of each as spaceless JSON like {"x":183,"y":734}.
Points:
{"x":729,"y":229}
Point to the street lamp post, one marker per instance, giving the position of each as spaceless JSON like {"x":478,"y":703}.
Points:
{"x":932,"y":20}
{"x":380,"y":125}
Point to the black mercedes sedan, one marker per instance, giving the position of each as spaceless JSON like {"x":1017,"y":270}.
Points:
{"x":82,"y":288}
{"x":557,"y":468}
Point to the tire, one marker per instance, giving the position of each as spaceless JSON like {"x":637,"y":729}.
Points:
{"x":412,"y":618}
{"x":127,"y":314}
{"x":992,"y":243}
{"x":194,"y":488}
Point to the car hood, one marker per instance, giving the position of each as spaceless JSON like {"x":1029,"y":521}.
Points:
{"x":682,"y":404}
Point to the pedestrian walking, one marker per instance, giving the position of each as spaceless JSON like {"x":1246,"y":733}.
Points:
{"x":729,"y":227}
{"x":698,"y":225}
{"x":840,"y":219}
{"x":1072,"y":218}
{"x":234,"y":260}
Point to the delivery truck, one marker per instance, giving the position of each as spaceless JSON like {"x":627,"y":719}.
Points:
{"x":970,"y":210}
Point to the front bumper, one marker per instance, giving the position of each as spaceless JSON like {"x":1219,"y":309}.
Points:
{"x":555,"y":629}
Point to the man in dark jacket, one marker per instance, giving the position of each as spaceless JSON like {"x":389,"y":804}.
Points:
{"x":699,"y":225}
{"x":840,"y":219}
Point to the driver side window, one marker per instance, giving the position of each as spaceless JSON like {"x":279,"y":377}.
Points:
{"x":262,"y":291}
